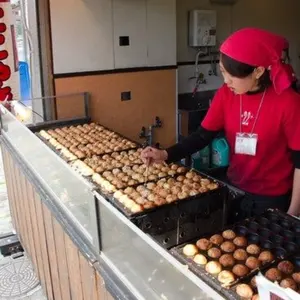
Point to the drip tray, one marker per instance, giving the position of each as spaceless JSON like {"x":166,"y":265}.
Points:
{"x":17,"y":278}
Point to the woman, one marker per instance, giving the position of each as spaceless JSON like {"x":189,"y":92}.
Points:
{"x":260,"y":114}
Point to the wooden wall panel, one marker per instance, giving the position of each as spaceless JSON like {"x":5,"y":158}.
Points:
{"x":10,"y":191}
{"x":43,"y":243}
{"x":53,"y":262}
{"x":30,"y":219}
{"x":74,"y":269}
{"x":153,"y":94}
{"x":63,"y":271}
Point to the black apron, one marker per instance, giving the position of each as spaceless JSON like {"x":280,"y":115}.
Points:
{"x":251,"y":205}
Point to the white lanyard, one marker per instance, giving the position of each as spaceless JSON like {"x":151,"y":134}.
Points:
{"x":257,"y":114}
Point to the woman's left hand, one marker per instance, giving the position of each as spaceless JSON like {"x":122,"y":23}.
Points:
{"x":293,"y":212}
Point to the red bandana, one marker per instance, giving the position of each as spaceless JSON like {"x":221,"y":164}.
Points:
{"x":257,"y":47}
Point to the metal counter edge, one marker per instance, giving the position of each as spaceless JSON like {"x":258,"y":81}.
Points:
{"x":117,"y":289}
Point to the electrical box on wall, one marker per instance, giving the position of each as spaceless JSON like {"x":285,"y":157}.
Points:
{"x":202,"y":28}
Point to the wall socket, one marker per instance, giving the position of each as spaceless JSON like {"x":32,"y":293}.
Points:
{"x":125,"y":96}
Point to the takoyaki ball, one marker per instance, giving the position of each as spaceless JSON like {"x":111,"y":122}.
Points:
{"x":252,"y":263}
{"x":182,"y":195}
{"x":186,"y":188}
{"x":240,"y":270}
{"x":151,"y":185}
{"x":286,"y":267}
{"x":136,"y":208}
{"x":213,"y":267}
{"x":205,"y":182}
{"x":226,"y":277}
{"x":180,"y":178}
{"x":175,"y":190}
{"x":229,"y":234}
{"x":116,"y":171}
{"x":135,"y":195}
{"x":171,"y":173}
{"x":129,"y":190}
{"x":212,"y":186}
{"x":227,"y":260}
{"x":160,"y":201}
{"x":189,"y":175}
{"x":228,"y":247}
{"x":151,"y":197}
{"x":214,"y":252}
{"x":152,"y":177}
{"x":288,"y":283}
{"x":204,"y":244}
{"x":181,"y":169}
{"x":296,"y":277}
{"x":200,"y":259}
{"x":190,"y":250}
{"x":140,"y":188}
{"x":148,"y":205}
{"x":193,"y":193}
{"x":253,"y":249}
{"x":163,"y":193}
{"x":171,"y":198}
{"x":274,"y":274}
{"x":197,"y":179}
{"x":217,"y":239}
{"x":162,"y":174}
{"x":240,"y":254}
{"x":244,"y":291}
{"x":171,"y":181}
{"x":140,"y":200}
{"x":203,"y":190}
{"x":240,"y":241}
{"x":187,"y":181}
{"x":266,"y":257}
{"x":196,"y":186}
{"x":167,"y":186}
{"x":174,"y":167}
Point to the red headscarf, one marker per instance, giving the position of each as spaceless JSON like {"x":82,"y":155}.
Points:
{"x":257,"y":47}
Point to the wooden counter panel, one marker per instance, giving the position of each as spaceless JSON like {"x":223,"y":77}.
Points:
{"x":63,"y":271}
{"x":153,"y":93}
{"x":10,"y":191}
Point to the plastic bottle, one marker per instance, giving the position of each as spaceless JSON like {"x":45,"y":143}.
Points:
{"x":220,"y":153}
{"x":201,"y":160}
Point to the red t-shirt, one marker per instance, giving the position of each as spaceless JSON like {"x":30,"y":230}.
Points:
{"x":270,"y":171}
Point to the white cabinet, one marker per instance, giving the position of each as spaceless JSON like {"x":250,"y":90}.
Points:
{"x":82,"y":34}
{"x":161,"y":32}
{"x":129,"y":23}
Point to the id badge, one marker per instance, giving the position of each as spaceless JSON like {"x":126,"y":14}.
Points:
{"x":246,"y":143}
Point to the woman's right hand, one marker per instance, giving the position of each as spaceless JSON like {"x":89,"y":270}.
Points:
{"x":152,"y":155}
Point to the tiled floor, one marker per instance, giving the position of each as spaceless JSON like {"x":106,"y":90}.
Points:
{"x":6,"y":227}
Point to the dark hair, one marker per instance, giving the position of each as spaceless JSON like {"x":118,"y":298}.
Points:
{"x":242,"y":70}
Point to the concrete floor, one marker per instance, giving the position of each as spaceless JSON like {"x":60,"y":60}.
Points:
{"x":6,"y":227}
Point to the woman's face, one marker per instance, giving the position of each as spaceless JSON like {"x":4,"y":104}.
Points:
{"x":242,"y":85}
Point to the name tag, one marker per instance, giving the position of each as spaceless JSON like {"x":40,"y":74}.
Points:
{"x":246,"y":143}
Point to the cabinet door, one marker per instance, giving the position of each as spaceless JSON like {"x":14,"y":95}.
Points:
{"x":129,"y":20}
{"x":161,"y":32}
{"x":81,"y":35}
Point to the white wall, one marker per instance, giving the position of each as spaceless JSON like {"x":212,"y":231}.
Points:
{"x":85,"y":34}
{"x":279,"y":16}
{"x":186,"y":83}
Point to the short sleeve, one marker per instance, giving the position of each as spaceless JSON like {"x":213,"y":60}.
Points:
{"x":214,"y":119}
{"x":291,"y":122}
